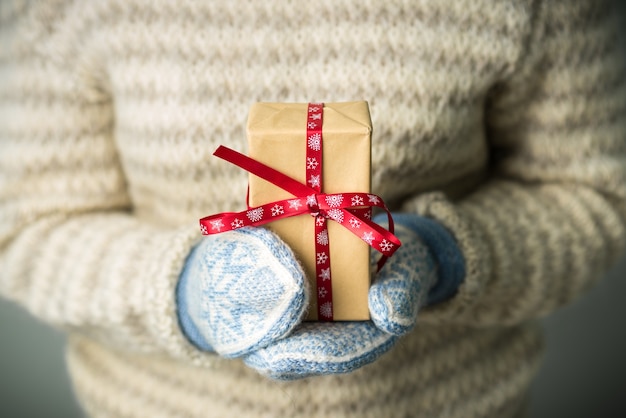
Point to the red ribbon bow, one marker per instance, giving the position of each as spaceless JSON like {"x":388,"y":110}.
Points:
{"x":351,"y":210}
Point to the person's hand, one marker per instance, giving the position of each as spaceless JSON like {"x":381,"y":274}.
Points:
{"x":402,"y":287}
{"x":243,"y":294}
{"x":240,"y":291}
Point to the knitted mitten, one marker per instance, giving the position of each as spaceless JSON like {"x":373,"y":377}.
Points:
{"x":319,"y":348}
{"x":428,"y":268}
{"x":240,"y":291}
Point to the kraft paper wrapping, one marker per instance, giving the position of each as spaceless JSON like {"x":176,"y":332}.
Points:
{"x":277,"y":137}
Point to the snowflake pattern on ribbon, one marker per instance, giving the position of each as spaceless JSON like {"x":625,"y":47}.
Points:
{"x":295,"y":204}
{"x":368,"y":237}
{"x":357,"y":201}
{"x":311,"y":163}
{"x":315,"y":181}
{"x":373,"y":199}
{"x":355,"y":223}
{"x":322,"y":238}
{"x":334,"y":201}
{"x":326,"y":310}
{"x":336,"y":214}
{"x":324,"y":274}
{"x":385,"y":245}
{"x":322,"y":258}
{"x":237,"y":223}
{"x":277,"y":210}
{"x":315,"y":142}
{"x":217,"y":225}
{"x":255,"y":214}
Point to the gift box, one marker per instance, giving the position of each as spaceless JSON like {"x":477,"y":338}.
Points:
{"x":280,"y":135}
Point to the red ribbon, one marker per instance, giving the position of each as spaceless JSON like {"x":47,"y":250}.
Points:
{"x":351,"y":210}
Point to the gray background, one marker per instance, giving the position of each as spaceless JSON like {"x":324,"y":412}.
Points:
{"x":583,"y":375}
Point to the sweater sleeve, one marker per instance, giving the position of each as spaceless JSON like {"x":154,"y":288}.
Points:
{"x":71,"y":250}
{"x":550,"y":219}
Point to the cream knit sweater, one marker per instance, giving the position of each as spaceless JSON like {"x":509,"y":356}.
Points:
{"x":503,"y":120}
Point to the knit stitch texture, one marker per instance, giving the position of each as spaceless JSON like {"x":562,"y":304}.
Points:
{"x":242,"y":293}
{"x":504,"y":121}
{"x":239,"y":291}
{"x":322,"y":348}
{"x":402,"y":288}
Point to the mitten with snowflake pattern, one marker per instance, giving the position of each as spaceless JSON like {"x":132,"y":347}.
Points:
{"x":240,"y":291}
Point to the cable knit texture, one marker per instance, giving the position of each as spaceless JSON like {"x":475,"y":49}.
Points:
{"x":502,"y":120}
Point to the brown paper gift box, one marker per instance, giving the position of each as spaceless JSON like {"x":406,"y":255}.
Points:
{"x":277,"y":138}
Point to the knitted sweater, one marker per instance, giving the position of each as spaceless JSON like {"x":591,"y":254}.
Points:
{"x":504,"y":121}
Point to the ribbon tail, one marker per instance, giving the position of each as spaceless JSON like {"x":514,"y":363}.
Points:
{"x":263,"y":171}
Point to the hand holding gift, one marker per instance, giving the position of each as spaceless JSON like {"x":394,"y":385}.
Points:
{"x":242,"y":294}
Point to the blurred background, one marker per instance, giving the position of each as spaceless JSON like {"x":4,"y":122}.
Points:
{"x":583,"y":374}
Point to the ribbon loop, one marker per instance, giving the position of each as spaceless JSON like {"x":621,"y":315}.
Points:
{"x":337,"y":206}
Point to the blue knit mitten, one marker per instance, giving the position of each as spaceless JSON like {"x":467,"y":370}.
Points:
{"x":428,"y":268}
{"x":240,"y":291}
